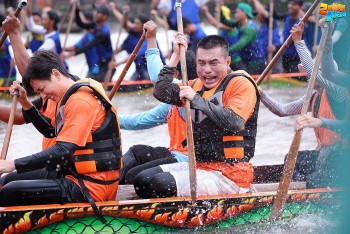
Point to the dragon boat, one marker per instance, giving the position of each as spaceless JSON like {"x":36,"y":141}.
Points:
{"x":129,"y":214}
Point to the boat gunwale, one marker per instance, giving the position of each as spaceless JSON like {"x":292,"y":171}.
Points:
{"x":164,"y":200}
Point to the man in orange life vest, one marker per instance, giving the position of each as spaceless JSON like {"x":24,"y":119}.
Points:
{"x":88,"y":147}
{"x":141,"y":157}
{"x":224,"y":116}
{"x":329,"y":103}
{"x":46,"y":107}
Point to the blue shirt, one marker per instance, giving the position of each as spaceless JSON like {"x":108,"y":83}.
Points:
{"x":130,"y":43}
{"x":263,"y":36}
{"x":189,"y":9}
{"x":35,"y":41}
{"x":91,"y":55}
{"x":196,"y":37}
{"x":157,"y":115}
{"x":104,"y":50}
{"x":232,"y":37}
{"x":5,"y":61}
{"x":251,"y":52}
{"x":309,"y":32}
{"x":288,"y":25}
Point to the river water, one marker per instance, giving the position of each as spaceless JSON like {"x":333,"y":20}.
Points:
{"x":273,"y":140}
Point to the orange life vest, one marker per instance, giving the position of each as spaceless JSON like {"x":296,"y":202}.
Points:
{"x":322,"y":108}
{"x":177,"y":130}
{"x":102,"y":151}
{"x":216,"y":144}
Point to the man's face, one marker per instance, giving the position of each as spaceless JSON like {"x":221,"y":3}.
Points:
{"x":49,"y":89}
{"x":293,"y":8}
{"x":99,"y":17}
{"x":138,"y":25}
{"x":212,"y":66}
{"x":46,"y":21}
{"x":239,"y":15}
{"x":37,"y":20}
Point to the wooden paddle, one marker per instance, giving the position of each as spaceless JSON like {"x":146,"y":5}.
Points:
{"x":285,"y":45}
{"x":64,"y":18}
{"x":127,"y":65}
{"x":7,"y":138}
{"x":315,"y":32}
{"x":109,"y":71}
{"x":8,"y":134}
{"x":20,"y":6}
{"x":70,"y":23}
{"x":189,"y":130}
{"x":294,"y":148}
{"x":269,"y":55}
{"x":166,"y":28}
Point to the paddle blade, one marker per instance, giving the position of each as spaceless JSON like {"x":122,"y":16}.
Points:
{"x":286,"y":177}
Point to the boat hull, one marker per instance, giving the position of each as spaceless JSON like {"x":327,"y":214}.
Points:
{"x":165,"y":214}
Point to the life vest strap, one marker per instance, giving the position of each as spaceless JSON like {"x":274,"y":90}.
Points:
{"x":243,"y":143}
{"x":87,"y":195}
{"x":100,"y":156}
{"x":96,"y":181}
{"x":101,"y":144}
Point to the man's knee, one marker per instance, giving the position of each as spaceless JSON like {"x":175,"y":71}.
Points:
{"x":163,"y":185}
{"x":9,"y":192}
{"x":142,"y":182}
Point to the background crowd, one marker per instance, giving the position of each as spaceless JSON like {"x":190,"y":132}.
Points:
{"x":245,"y":24}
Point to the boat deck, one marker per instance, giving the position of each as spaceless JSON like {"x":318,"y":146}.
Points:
{"x":127,"y":192}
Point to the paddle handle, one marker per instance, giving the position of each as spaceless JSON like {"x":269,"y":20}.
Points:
{"x":70,"y":23}
{"x":316,"y":31}
{"x":294,"y":148}
{"x":189,"y":130}
{"x":285,"y":45}
{"x":66,"y":13}
{"x":20,"y":6}
{"x":8,"y":134}
{"x":127,"y":65}
{"x":166,"y":28}
{"x":270,"y":38}
{"x":109,"y":71}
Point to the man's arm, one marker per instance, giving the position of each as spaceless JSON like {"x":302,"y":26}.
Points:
{"x":54,"y":157}
{"x":260,"y":9}
{"x":122,"y":18}
{"x":165,"y":90}
{"x":5,"y":114}
{"x":11,"y":26}
{"x":40,"y":122}
{"x":100,"y":38}
{"x":145,"y":120}
{"x":34,"y":28}
{"x":222,"y":117}
{"x":329,"y":71}
{"x":80,"y":23}
{"x":248,"y":36}
{"x":338,"y":126}
{"x":228,"y":22}
{"x":335,"y":91}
